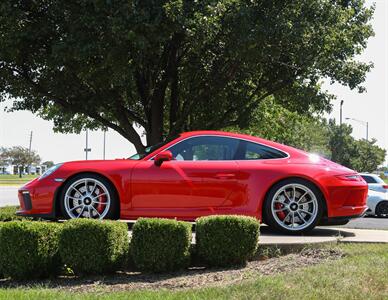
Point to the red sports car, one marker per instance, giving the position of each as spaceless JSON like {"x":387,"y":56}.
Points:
{"x":203,"y":173}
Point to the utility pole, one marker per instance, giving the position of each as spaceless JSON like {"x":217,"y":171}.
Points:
{"x":87,"y":149}
{"x":342,"y":103}
{"x":103,"y":154}
{"x":29,"y":153}
{"x":29,"y":149}
{"x":367,"y":131}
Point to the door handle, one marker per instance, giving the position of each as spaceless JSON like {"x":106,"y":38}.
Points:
{"x":225,"y":176}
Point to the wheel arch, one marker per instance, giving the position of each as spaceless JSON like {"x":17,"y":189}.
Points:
{"x":319,"y":188}
{"x":377,"y":207}
{"x":58,"y":192}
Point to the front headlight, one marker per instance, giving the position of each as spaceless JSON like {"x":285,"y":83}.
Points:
{"x":49,"y":171}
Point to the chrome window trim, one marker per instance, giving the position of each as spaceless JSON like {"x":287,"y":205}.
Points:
{"x":225,"y":136}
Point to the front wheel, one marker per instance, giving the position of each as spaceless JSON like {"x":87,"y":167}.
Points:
{"x":293,"y":206}
{"x":88,"y":196}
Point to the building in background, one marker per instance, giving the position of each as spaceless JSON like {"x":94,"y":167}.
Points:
{"x":14,"y":169}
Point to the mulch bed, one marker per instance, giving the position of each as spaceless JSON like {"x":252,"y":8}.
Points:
{"x":195,"y":277}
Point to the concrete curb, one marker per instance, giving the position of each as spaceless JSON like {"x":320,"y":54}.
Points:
{"x":319,"y":237}
{"x":350,"y":235}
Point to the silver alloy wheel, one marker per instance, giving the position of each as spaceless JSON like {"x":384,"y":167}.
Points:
{"x":294,"y":207}
{"x":87,"y":198}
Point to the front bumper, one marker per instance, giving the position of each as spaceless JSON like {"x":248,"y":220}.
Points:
{"x":37,"y":198}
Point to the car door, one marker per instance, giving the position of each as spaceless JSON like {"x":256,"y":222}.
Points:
{"x":202,"y":177}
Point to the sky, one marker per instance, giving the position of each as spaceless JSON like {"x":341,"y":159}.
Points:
{"x":371,"y":106}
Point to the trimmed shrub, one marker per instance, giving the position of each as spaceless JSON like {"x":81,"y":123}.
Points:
{"x":159,"y":245}
{"x":29,"y":249}
{"x":90,"y":246}
{"x":8,"y":213}
{"x":226,"y":240}
{"x":1,"y":268}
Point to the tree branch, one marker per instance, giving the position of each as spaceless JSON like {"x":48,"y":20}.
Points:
{"x":130,"y":133}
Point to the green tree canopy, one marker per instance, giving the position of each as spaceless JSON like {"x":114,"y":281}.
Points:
{"x":175,"y":65}
{"x":369,"y":156}
{"x":360,"y":155}
{"x":313,"y":134}
{"x":271,"y":120}
{"x":48,"y":163}
{"x":341,"y":143}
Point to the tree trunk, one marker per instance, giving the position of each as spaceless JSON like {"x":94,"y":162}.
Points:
{"x":138,"y":146}
{"x":156,"y":134}
{"x":20,"y":171}
{"x":131,"y":135}
{"x":174,"y":104}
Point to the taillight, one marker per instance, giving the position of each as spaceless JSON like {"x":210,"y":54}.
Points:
{"x":385,"y":186}
{"x":350,"y":177}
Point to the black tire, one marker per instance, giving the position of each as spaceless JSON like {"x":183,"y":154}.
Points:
{"x":114,"y":209}
{"x":382,"y":209}
{"x":267,"y":208}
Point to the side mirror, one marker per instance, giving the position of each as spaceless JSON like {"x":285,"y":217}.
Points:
{"x":161,"y":157}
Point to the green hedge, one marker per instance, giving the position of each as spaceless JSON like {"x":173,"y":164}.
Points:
{"x":92,"y":246}
{"x":226,"y":240}
{"x":29,"y":249}
{"x":8,"y":213}
{"x":159,"y":245}
{"x":1,"y":267}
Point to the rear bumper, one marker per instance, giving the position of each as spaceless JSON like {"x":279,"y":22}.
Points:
{"x":346,"y":199}
{"x":348,"y":212}
{"x":340,"y":220}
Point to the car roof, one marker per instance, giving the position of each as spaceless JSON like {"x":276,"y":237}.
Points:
{"x":288,"y":149}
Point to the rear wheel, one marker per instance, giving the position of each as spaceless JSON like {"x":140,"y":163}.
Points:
{"x":88,"y":196}
{"x":382,"y":209}
{"x":293,"y":206}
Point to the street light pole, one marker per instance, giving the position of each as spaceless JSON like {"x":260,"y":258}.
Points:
{"x":103,"y":155}
{"x":342,"y":103}
{"x":365,"y":123}
{"x":29,"y":154}
{"x":87,"y":149}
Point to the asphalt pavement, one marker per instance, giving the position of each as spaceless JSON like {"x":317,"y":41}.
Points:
{"x":8,"y":196}
{"x":367,"y":223}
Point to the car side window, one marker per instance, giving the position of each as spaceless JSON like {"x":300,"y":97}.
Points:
{"x":252,"y":151}
{"x":205,"y":148}
{"x":369,"y":179}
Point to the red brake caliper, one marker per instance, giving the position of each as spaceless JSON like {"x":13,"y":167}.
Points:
{"x":100,"y":205}
{"x":280,"y":214}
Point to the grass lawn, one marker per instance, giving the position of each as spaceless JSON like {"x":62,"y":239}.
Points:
{"x":361,"y":274}
{"x":15,"y":180}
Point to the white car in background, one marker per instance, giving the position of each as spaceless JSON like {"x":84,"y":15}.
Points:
{"x":377,"y":204}
{"x":375,"y":183}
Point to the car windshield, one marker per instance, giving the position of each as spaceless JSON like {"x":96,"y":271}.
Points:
{"x":152,"y":148}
